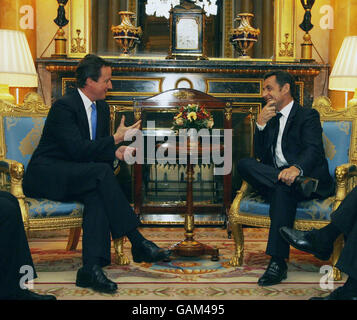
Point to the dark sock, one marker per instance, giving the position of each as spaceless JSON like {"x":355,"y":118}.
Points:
{"x":90,"y":263}
{"x":351,"y":285}
{"x":135,"y":237}
{"x":278,"y":260}
{"x":88,"y":267}
{"x":328,"y":234}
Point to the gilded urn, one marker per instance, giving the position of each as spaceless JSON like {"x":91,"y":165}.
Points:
{"x":126,"y":34}
{"x":244,"y":36}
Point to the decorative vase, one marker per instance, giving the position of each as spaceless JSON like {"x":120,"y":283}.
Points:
{"x":244,"y":36}
{"x":126,"y":34}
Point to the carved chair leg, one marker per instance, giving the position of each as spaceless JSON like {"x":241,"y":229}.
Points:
{"x":337,"y":248}
{"x":120,"y":257}
{"x":238,"y":236}
{"x":336,"y":274}
{"x":73,"y":238}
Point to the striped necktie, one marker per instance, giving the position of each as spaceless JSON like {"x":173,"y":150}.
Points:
{"x":93,"y":119}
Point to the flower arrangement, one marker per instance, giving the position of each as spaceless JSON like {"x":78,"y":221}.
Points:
{"x":193,"y":116}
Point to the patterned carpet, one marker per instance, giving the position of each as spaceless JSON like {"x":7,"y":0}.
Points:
{"x":181,"y":278}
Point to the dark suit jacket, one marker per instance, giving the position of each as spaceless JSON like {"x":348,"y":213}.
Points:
{"x":65,"y":142}
{"x":301,"y":145}
{"x":345,"y":219}
{"x":14,"y":249}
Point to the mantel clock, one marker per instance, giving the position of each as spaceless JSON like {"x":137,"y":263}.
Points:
{"x":187,"y":32}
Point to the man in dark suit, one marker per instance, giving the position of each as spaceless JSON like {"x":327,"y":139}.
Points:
{"x":16,"y":264}
{"x":320,"y":243}
{"x":74,"y":161}
{"x":289,"y":164}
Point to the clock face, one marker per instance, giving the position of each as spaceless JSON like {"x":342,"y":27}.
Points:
{"x":187,"y":34}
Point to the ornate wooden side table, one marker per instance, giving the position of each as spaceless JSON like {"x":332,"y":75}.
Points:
{"x":189,"y":247}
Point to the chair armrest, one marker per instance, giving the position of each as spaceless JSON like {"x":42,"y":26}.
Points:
{"x":116,"y":165}
{"x":16,"y":171}
{"x":244,"y":190}
{"x":344,"y":173}
{"x":117,"y":169}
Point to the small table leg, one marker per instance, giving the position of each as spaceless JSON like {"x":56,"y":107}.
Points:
{"x":190,"y":247}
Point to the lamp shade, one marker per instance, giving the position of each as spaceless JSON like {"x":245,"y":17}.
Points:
{"x":17,"y":68}
{"x":344,"y":73}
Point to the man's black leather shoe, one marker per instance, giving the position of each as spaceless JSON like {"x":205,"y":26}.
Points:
{"x":338,"y":294}
{"x":148,"y":251}
{"x":30,"y":295}
{"x":274,"y":274}
{"x":306,"y":241}
{"x":305,"y":186}
{"x":95,"y":278}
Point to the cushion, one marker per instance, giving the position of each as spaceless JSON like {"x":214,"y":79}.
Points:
{"x":43,"y":208}
{"x":315,"y":209}
{"x":22,"y":135}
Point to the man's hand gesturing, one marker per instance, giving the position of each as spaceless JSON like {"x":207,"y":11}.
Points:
{"x":122,"y":129}
{"x":122,"y":150}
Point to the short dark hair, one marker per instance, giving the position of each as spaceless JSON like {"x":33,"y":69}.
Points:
{"x":89,"y":67}
{"x":283,"y":77}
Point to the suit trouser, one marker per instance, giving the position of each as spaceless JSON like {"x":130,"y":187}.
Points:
{"x":14,"y":249}
{"x":106,"y":209}
{"x":345,"y":219}
{"x":282,"y":198}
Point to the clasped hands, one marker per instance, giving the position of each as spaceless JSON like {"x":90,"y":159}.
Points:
{"x":119,"y":137}
{"x":289,"y":175}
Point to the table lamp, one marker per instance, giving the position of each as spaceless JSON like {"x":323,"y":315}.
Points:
{"x":344,"y":73}
{"x":17,"y":69}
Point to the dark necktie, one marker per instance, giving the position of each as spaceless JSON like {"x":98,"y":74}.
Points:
{"x":276,"y":133}
{"x":276,"y":129}
{"x":93,"y":120}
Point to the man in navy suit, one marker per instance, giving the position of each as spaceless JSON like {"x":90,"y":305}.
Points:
{"x":74,"y":161}
{"x":289,"y":164}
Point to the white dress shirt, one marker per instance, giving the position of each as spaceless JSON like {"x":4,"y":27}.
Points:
{"x":88,"y":106}
{"x":279,"y":156}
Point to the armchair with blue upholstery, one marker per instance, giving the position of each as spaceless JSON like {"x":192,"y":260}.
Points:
{"x":339,"y":137}
{"x":20,"y":131}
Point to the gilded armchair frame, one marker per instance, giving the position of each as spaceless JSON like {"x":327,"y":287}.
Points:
{"x":345,"y":181}
{"x":34,"y":106}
